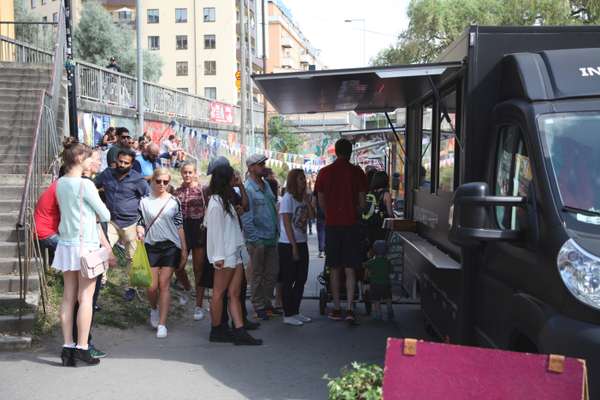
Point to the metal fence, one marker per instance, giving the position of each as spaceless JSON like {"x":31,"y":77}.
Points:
{"x":12,"y":50}
{"x":107,"y":86}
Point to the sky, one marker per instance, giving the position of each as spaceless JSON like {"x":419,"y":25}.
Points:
{"x":341,"y":43}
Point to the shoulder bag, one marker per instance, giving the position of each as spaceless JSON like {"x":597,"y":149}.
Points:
{"x":95,"y":262}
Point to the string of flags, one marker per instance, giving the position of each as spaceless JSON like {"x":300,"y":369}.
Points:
{"x":195,"y":139}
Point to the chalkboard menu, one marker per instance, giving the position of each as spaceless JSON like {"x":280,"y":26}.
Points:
{"x":395,"y":254}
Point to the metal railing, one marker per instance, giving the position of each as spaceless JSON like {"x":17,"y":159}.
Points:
{"x":44,"y":152}
{"x":37,"y":34}
{"x":107,"y":86}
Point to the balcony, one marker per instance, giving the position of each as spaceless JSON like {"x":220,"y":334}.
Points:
{"x":287,"y":62}
{"x":306,"y":59}
{"x":286,"y":42}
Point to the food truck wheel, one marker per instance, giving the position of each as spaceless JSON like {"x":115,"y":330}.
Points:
{"x":322,"y":301}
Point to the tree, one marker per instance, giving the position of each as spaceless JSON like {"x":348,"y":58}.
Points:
{"x":97,"y":39}
{"x":40,"y":36}
{"x":434,"y":24}
{"x":282,"y":139}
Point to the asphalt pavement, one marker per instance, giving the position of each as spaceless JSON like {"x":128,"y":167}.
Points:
{"x":290,"y":365}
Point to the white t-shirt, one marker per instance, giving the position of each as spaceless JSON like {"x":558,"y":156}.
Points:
{"x":299,"y":212}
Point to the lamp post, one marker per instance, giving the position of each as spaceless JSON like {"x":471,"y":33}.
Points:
{"x":364,"y":41}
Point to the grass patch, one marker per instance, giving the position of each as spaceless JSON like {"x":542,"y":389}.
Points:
{"x":45,"y":323}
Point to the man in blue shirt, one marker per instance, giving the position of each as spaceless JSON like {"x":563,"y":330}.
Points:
{"x":261,"y":233}
{"x":123,"y":190}
{"x":147,"y":162}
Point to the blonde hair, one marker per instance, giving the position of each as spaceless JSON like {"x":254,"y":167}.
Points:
{"x":160,"y":172}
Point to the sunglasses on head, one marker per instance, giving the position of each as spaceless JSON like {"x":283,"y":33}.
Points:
{"x":162,"y":182}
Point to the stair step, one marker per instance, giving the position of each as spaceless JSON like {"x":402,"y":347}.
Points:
{"x":9,"y":266}
{"x":11,"y":299}
{"x":10,"y":192}
{"x":15,"y":343}
{"x":8,"y":234}
{"x":19,"y":148}
{"x":19,"y":180}
{"x":19,"y":113}
{"x":13,"y":168}
{"x":9,"y":250}
{"x":9,"y":218}
{"x":12,"y":323}
{"x":11,"y":282}
{"x":10,"y":205}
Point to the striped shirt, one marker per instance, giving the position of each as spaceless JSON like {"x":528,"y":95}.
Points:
{"x":166,"y":225}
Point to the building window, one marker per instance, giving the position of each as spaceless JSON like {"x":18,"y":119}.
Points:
{"x":181,"y":15}
{"x":210,"y":67}
{"x":209,"y":14}
{"x":54,"y":17}
{"x":447,"y":148}
{"x":426,"y":135}
{"x":44,"y":2}
{"x":210,"y":93}
{"x":210,"y":41}
{"x":154,"y":42}
{"x":153,"y":16}
{"x":181,"y":42}
{"x":182,"y":68}
{"x":124,"y":16}
{"x":184,"y":89}
{"x":44,"y":19}
{"x":33,"y":3}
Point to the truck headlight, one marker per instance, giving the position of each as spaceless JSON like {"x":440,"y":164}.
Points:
{"x":580,"y":271}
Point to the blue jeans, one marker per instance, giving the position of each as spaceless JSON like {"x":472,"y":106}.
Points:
{"x":321,"y":234}
{"x":49,"y":243}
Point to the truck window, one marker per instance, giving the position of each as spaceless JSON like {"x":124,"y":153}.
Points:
{"x":513,"y":174}
{"x":426,"y":134}
{"x":447,"y":142}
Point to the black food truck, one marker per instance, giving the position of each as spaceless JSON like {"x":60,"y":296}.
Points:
{"x":502,"y":179}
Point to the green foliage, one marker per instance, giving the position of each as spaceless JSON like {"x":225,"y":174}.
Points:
{"x":434,"y":24}
{"x":40,"y":36}
{"x":361,"y":382}
{"x":281,"y":138}
{"x":98,"y":38}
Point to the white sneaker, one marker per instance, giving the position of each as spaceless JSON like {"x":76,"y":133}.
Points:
{"x":161,"y":332}
{"x":292,"y":321}
{"x":183,"y":299}
{"x":198,"y":314}
{"x":303,"y":318}
{"x":154,"y":318}
{"x":321,"y":254}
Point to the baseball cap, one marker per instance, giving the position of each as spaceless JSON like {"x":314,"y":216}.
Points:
{"x":216,"y":162}
{"x":255,"y":159}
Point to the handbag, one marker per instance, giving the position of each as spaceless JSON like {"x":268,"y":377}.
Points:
{"x":95,"y":262}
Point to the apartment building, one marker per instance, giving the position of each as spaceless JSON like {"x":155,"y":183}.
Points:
{"x":198,"y":41}
{"x":289,"y":49}
{"x":7,"y":13}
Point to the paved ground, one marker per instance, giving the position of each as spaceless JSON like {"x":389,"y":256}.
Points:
{"x":290,"y":365}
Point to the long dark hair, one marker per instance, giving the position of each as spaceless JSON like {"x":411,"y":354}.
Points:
{"x":380,"y":180}
{"x":220,"y":184}
{"x":291,"y":185}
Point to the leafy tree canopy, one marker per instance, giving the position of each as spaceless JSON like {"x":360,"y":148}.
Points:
{"x":434,"y":24}
{"x":281,"y":138}
{"x":97,"y":38}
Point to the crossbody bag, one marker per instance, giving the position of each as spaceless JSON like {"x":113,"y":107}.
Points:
{"x":95,"y":262}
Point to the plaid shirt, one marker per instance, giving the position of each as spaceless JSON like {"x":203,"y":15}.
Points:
{"x":193,"y":201}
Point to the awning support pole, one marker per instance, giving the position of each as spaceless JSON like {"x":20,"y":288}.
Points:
{"x":395,"y":133}
{"x":436,"y":94}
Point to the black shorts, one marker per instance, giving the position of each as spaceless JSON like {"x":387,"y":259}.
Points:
{"x":195,"y":234}
{"x":163,"y":254}
{"x":343,"y":246}
{"x":379,"y":292}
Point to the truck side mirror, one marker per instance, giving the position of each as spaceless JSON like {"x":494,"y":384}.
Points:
{"x":471,"y":211}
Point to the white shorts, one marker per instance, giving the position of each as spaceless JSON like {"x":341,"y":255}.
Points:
{"x":236,"y":258}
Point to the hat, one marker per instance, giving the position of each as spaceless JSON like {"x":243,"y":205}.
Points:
{"x":255,"y":159}
{"x":216,"y":162}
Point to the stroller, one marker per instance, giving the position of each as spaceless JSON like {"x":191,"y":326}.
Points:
{"x":361,"y":292}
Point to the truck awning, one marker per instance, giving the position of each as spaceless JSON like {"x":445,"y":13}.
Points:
{"x":363,"y":90}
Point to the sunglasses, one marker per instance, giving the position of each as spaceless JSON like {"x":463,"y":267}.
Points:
{"x":162,"y":182}
{"x":126,"y":137}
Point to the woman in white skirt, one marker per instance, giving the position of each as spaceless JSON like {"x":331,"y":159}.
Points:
{"x":80,"y":210}
{"x":225,"y":249}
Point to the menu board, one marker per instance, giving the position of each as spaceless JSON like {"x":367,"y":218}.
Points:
{"x":396,"y":256}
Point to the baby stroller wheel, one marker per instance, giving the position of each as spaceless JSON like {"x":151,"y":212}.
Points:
{"x":322,"y":301}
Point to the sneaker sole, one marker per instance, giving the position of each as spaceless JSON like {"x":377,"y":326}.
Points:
{"x":334,"y":318}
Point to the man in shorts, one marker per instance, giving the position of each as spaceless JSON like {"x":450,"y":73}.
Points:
{"x":341,"y":189}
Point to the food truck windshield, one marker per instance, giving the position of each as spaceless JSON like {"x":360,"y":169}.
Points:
{"x":572,"y":145}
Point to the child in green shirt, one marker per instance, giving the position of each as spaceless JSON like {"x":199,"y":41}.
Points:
{"x":378,"y":271}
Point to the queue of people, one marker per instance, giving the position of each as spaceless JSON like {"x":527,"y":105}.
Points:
{"x":236,"y":232}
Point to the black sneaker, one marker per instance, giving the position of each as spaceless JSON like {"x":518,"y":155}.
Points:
{"x":243,"y":338}
{"x":275,"y":310}
{"x":251,"y":325}
{"x":94,"y":352}
{"x":220,"y":334}
{"x":262,"y":314}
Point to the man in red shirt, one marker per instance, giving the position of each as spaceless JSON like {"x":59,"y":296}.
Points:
{"x":47,"y":219}
{"x":341,"y":189}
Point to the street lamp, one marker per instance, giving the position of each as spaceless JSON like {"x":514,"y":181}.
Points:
{"x":364,"y":41}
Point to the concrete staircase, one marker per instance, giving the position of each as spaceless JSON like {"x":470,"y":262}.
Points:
{"x":20,"y":98}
